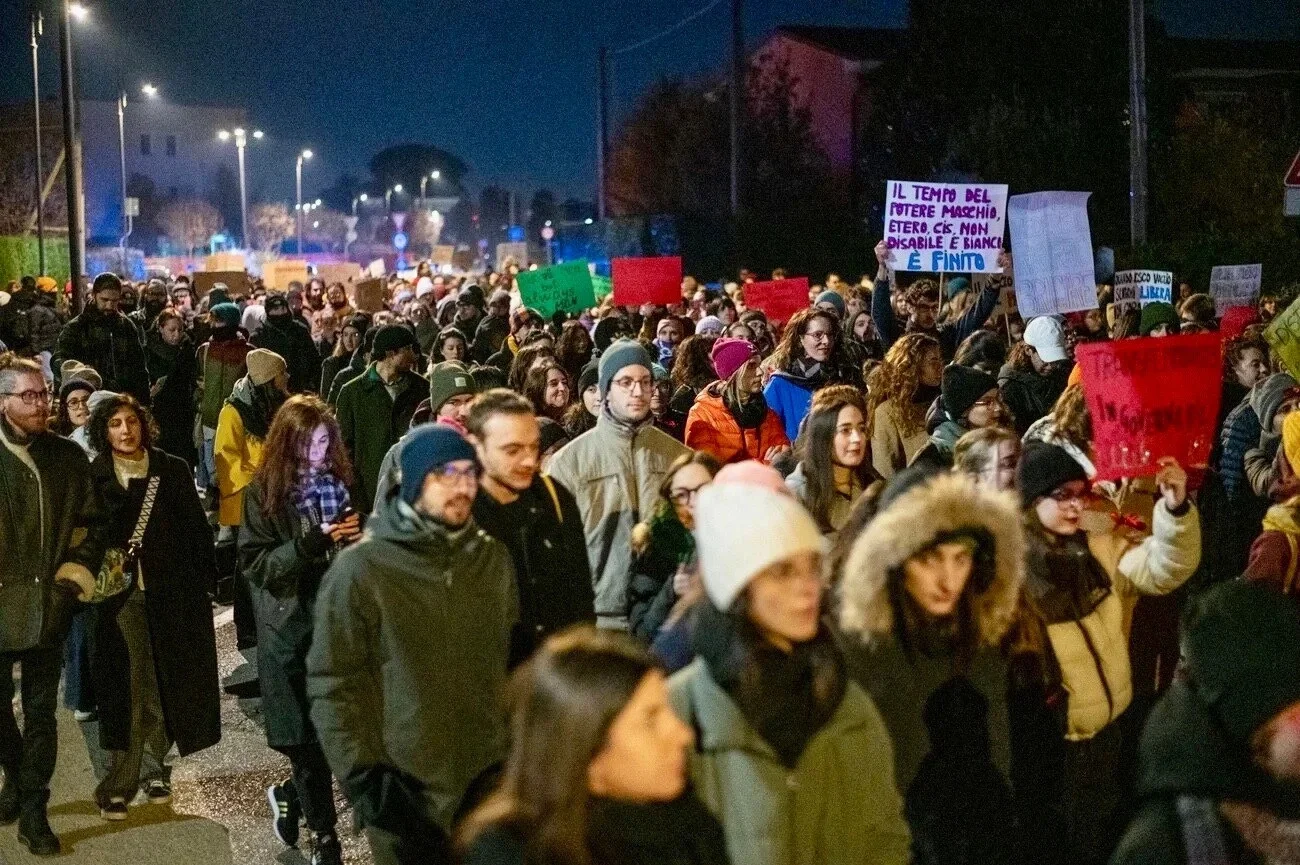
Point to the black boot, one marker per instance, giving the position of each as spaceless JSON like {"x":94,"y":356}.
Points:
{"x":9,"y":807}
{"x":34,"y":828}
{"x":325,"y":849}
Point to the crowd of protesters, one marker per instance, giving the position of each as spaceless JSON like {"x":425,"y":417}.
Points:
{"x":658,"y":584}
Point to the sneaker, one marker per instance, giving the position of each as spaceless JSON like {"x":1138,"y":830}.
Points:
{"x":159,"y":792}
{"x":114,"y":810}
{"x":285,"y":812}
{"x":35,"y":834}
{"x":325,"y":849}
{"x":83,"y":717}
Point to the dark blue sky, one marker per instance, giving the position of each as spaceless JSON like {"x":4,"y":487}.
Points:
{"x":508,"y":85}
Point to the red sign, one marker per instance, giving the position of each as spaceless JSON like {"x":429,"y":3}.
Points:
{"x":779,"y":298}
{"x":1151,"y":398}
{"x":1293,"y":173}
{"x":647,"y":280}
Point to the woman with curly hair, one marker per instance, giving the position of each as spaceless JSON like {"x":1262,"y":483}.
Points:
{"x":573,"y":349}
{"x":901,"y":390}
{"x":692,"y":372}
{"x":809,"y":356}
{"x":528,"y":357}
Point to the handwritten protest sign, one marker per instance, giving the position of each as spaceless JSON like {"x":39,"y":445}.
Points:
{"x":1151,"y":398}
{"x":1235,"y":285}
{"x":562,"y":287}
{"x":1053,"y":252}
{"x":344,"y":272}
{"x":236,"y":282}
{"x":442,"y":254}
{"x":278,"y":274}
{"x":1284,"y":336}
{"x":517,"y":251}
{"x":945,"y":227}
{"x":602,"y":285}
{"x":778,"y":298}
{"x":226,"y":261}
{"x":376,"y":269}
{"x":647,"y":280}
{"x":1005,"y":284}
{"x":1140,"y":287}
{"x":368,"y":295}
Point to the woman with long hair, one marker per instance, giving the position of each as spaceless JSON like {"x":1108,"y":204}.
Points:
{"x":528,"y":357}
{"x":860,"y":337}
{"x":730,"y":418}
{"x":573,"y":349}
{"x":450,"y":344}
{"x":170,"y":358}
{"x":692,"y":372}
{"x":348,"y":344}
{"x":989,"y":457}
{"x":596,"y":773}
{"x":155,"y":655}
{"x":832,"y":470}
{"x":901,"y":391}
{"x":547,"y":387}
{"x":809,"y":356}
{"x":296,"y":514}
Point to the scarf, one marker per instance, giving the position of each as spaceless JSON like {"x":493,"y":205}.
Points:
{"x":256,"y":405}
{"x":1063,"y":580}
{"x":748,"y":410}
{"x":786,"y":697}
{"x":665,"y":353}
{"x":320,"y":497}
{"x":667,"y":534}
{"x":808,"y":369}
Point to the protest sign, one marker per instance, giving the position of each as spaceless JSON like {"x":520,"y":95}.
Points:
{"x":778,"y":298}
{"x":1006,"y":287}
{"x":1235,"y":320}
{"x":1052,"y":246}
{"x":1140,"y":287}
{"x":226,"y":261}
{"x":647,"y":280}
{"x":561,"y":287}
{"x":508,"y":251}
{"x":376,"y":269}
{"x":278,"y":274}
{"x":1151,"y":398}
{"x":344,"y":273}
{"x":442,"y":254}
{"x":945,"y":227}
{"x":603,"y":286}
{"x":236,"y":282}
{"x":368,"y":295}
{"x":1284,"y":336}
{"x":1235,"y":285}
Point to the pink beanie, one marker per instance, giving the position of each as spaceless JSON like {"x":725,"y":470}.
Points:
{"x":751,"y":473}
{"x":730,"y":355}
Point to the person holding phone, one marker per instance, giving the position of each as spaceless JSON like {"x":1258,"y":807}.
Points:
{"x":297,"y":513}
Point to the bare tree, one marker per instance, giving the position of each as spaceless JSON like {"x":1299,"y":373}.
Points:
{"x":270,"y":225}
{"x":327,"y":227}
{"x":189,"y":222}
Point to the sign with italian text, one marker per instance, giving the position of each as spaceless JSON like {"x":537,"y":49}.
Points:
{"x":1052,"y":245}
{"x":1235,"y":285}
{"x":945,"y":227}
{"x":647,"y":280}
{"x":1140,"y":287}
{"x":778,"y":298}
{"x":1283,"y":335}
{"x":559,"y":288}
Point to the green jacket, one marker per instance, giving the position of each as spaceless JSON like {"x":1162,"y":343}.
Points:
{"x":407,"y":663}
{"x":371,"y":422}
{"x":838,"y":807}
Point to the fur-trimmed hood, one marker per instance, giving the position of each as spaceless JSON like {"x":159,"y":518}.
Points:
{"x":947,"y":503}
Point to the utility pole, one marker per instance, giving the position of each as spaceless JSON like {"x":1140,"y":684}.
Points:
{"x":72,"y":145}
{"x":1137,"y":131}
{"x":602,"y":127}
{"x":38,"y":27}
{"x":737,"y":96}
{"x":121,"y":145}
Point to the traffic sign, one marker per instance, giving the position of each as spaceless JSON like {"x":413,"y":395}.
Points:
{"x":1293,"y":173}
{"x":133,"y":206}
{"x":548,"y":232}
{"x":400,"y":240}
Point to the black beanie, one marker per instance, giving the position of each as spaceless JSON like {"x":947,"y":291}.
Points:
{"x":588,"y":377}
{"x":1043,"y":468}
{"x":962,"y":388}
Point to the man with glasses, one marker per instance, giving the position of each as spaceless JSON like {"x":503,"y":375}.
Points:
{"x":103,"y":338}
{"x":408,"y":659}
{"x":614,"y":471}
{"x":45,"y":484}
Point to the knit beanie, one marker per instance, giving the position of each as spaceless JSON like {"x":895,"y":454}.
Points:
{"x":962,"y":388}
{"x":226,"y":314}
{"x":1267,"y":397}
{"x":499,"y":296}
{"x":446,"y":380}
{"x":78,"y":382}
{"x":98,"y":398}
{"x":264,"y":365}
{"x":471,"y":294}
{"x":75,"y":369}
{"x":423,"y":286}
{"x":1156,"y":314}
{"x":550,"y":434}
{"x":359,"y":323}
{"x":834,"y":299}
{"x":602,"y":335}
{"x":1043,"y":468}
{"x":741,"y":529}
{"x":1240,"y":644}
{"x":729,"y":355}
{"x":956,"y":286}
{"x":1047,"y":336}
{"x":427,"y":447}
{"x":392,"y":337}
{"x":620,"y":355}
{"x":589,"y":377}
{"x":709,"y":324}
{"x":276,"y":302}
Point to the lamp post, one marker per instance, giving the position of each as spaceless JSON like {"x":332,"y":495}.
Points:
{"x":361,"y":198}
{"x":127,"y":223}
{"x":72,"y":149}
{"x":388,"y":197}
{"x":241,"y":139}
{"x":302,"y":157}
{"x":436,"y":175}
{"x":38,"y":26}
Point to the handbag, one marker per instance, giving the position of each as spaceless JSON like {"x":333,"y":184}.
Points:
{"x":120,"y":565}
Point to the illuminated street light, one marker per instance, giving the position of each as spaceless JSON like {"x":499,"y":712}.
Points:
{"x":78,"y":11}
{"x":240,"y":141}
{"x":150,"y":91}
{"x":257,"y":133}
{"x":302,"y":157}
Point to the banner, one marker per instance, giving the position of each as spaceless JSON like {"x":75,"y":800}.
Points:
{"x":236,"y":282}
{"x":1140,"y":287}
{"x":1151,"y":398}
{"x":1283,"y":334}
{"x":562,"y":287}
{"x":778,"y":298}
{"x":647,"y":280}
{"x":945,"y":227}
{"x":1052,"y":246}
{"x":278,"y":274}
{"x":442,"y":254}
{"x":1235,"y":285}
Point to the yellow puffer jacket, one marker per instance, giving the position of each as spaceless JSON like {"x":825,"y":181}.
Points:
{"x":237,"y":457}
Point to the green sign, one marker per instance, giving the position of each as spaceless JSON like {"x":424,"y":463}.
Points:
{"x":562,"y":287}
{"x":1284,"y":336}
{"x":603,"y":286}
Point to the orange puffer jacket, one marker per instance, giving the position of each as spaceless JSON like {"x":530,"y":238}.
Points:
{"x":711,"y":428}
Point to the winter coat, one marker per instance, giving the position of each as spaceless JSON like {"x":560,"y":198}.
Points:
{"x":237,"y":456}
{"x":1031,"y":395}
{"x":1241,"y":432}
{"x":949,"y":334}
{"x":1275,"y":555}
{"x":789,"y":397}
{"x":329,"y":369}
{"x":841,"y":506}
{"x":488,"y":338}
{"x":355,"y":368}
{"x":284,"y":561}
{"x":33,"y":612}
{"x":660,"y":547}
{"x":939,"y":451}
{"x":173,"y":404}
{"x":838,"y":806}
{"x":542,"y":530}
{"x":221,"y":363}
{"x":180,"y":571}
{"x":111,"y":345}
{"x":712,"y":428}
{"x":371,"y":422}
{"x":615,"y":480}
{"x":891,"y":452}
{"x":291,"y":339}
{"x":407,"y":663}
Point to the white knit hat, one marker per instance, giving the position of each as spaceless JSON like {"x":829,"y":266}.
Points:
{"x":742,"y":528}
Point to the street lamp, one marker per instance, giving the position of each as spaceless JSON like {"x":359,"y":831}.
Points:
{"x":73,"y":175}
{"x":388,"y":196}
{"x":241,"y":139}
{"x":78,"y":11}
{"x":362,"y":198}
{"x":38,"y":30}
{"x":302,"y":157}
{"x":436,"y":175}
{"x":127,"y":225}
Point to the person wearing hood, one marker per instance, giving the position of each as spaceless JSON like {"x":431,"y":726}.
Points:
{"x":900,"y":391}
{"x":493,"y":328}
{"x":1071,"y":674}
{"x":614,"y":471}
{"x":407,"y":664}
{"x":470,"y":305}
{"x":173,"y":378}
{"x":970,"y":400}
{"x":833,"y":469}
{"x":1159,"y":319}
{"x":291,"y":339}
{"x":1276,"y":398}
{"x":791,"y":755}
{"x":103,"y":338}
{"x":730,"y":418}
{"x":1030,"y":393}
{"x":1220,"y":770}
{"x":345,"y":347}
{"x":221,"y":361}
{"x":929,"y":590}
{"x":808,"y":357}
{"x":356,"y":365}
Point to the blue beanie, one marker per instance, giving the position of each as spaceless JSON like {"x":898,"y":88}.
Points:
{"x":226,"y":313}
{"x":428,"y":447}
{"x":956,"y":286}
{"x":834,"y":299}
{"x":621,"y":354}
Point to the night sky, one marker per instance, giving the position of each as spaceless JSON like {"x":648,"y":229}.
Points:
{"x":507,"y":85}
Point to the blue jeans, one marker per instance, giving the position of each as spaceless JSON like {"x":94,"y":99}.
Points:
{"x":79,"y":685}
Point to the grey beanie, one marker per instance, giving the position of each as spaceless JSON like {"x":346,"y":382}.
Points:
{"x":621,"y":354}
{"x":1268,"y":396}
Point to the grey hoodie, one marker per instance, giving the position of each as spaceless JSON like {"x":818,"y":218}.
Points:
{"x":1266,"y":399}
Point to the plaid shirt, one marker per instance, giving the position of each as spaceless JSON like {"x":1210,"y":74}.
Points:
{"x":320,"y":498}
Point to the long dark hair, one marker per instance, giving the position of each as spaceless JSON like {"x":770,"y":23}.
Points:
{"x":287,"y":441}
{"x":97,"y":426}
{"x":816,"y":449}
{"x":524,"y":360}
{"x":535,"y":383}
{"x":573,"y":349}
{"x":561,"y":705}
{"x":837,"y":368}
{"x":693,"y":366}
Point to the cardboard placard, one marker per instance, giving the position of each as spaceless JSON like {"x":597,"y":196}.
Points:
{"x":1235,"y":285}
{"x":1151,"y":398}
{"x":236,"y":281}
{"x":647,"y":280}
{"x":1283,"y":334}
{"x":226,"y":261}
{"x":561,"y":287}
{"x":778,"y":298}
{"x":1140,"y":287}
{"x":442,"y":255}
{"x":1005,"y":283}
{"x":278,"y":274}
{"x":518,"y":251}
{"x":1235,"y":320}
{"x":376,"y":269}
{"x":945,"y":227}
{"x":345,"y":273}
{"x":1052,"y":245}
{"x":368,"y":295}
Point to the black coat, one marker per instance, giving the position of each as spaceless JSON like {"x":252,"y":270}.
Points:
{"x":549,"y":552}
{"x":173,"y":404}
{"x":284,"y":562}
{"x":291,"y":339}
{"x":112,"y":346}
{"x":179,"y":571}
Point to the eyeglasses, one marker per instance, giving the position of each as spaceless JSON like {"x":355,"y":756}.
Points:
{"x":627,"y":385}
{"x":988,"y":402}
{"x":819,"y":335}
{"x":77,"y":402}
{"x":1066,"y":495}
{"x":29,"y":397}
{"x":681,"y":498}
{"x":450,"y":474}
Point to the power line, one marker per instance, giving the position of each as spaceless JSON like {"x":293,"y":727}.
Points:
{"x":668,"y":30}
